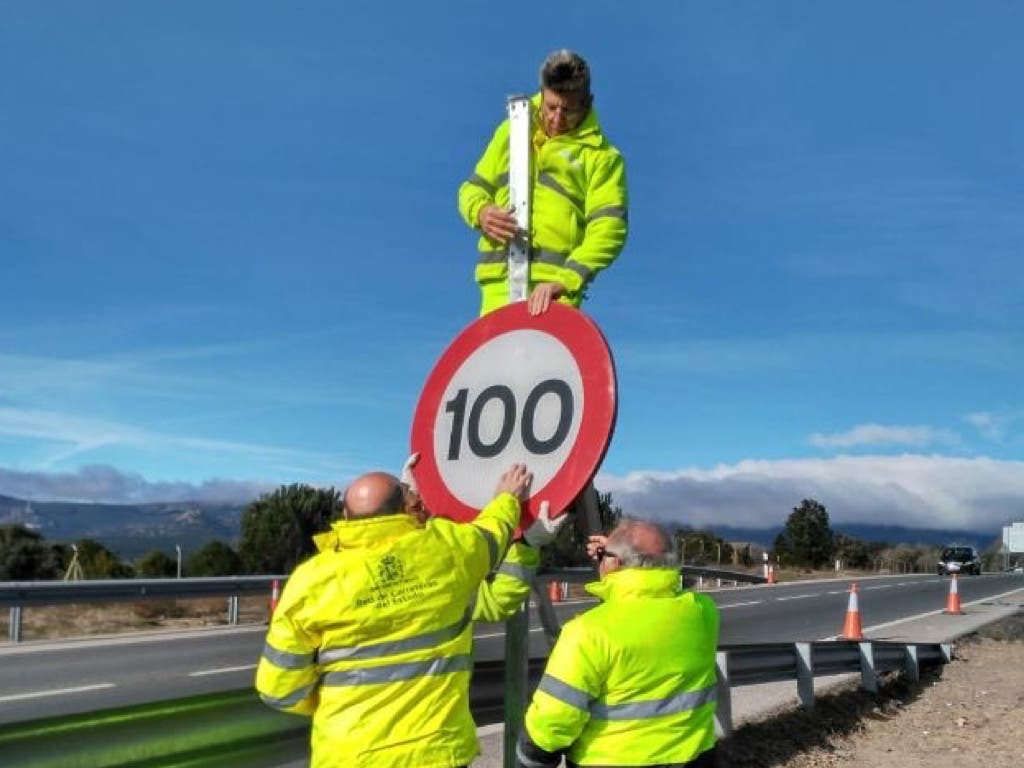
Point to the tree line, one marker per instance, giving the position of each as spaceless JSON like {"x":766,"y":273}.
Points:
{"x":277,"y":529}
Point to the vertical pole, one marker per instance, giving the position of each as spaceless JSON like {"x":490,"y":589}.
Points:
{"x":805,"y":675}
{"x":233,"y":610}
{"x":519,"y":195}
{"x":14,"y":625}
{"x":516,"y":658}
{"x":723,"y":708}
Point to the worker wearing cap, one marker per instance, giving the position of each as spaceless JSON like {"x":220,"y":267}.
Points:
{"x":579,"y":201}
{"x":372,"y":636}
{"x":632,"y":681}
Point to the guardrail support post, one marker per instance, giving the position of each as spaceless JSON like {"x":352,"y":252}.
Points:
{"x":14,"y":625}
{"x":723,"y":707}
{"x":947,"y":651}
{"x":805,"y":675}
{"x":910,"y":665}
{"x":868,"y":678}
{"x":233,"y":610}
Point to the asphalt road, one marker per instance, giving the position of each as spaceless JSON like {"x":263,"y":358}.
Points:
{"x":49,"y":679}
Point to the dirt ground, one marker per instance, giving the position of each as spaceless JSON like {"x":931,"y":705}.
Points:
{"x":967,"y":713}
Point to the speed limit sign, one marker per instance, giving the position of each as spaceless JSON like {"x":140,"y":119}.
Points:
{"x":515,"y":388}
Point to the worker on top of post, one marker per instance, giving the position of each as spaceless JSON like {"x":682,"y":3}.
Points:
{"x":579,"y":199}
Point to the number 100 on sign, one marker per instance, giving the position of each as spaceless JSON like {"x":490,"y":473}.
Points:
{"x":517,"y":398}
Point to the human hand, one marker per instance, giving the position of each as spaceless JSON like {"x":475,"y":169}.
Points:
{"x":406,"y":477}
{"x":497,"y":223}
{"x":595,"y":546}
{"x":516,"y":481}
{"x":542,"y":296}
{"x":543,"y":530}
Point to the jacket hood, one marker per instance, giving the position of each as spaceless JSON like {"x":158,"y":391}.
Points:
{"x":363,"y":533}
{"x":636,"y":582}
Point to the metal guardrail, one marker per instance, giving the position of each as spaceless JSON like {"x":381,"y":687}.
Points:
{"x":739,"y":665}
{"x":20,"y":594}
{"x":17,"y":595}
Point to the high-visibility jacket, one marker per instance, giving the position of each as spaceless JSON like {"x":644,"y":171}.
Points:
{"x":578,"y":220}
{"x":508,"y":586}
{"x":372,"y":636}
{"x":630,"y":682}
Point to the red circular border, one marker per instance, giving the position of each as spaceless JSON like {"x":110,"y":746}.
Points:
{"x":589,"y":349}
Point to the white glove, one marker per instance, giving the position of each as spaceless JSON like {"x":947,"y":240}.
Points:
{"x":544,"y":529}
{"x":406,"y":477}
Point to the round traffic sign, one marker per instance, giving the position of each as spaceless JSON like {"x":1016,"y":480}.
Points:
{"x":515,"y":388}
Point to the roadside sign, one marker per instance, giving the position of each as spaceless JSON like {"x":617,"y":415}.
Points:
{"x":1013,"y":537}
{"x":515,"y":388}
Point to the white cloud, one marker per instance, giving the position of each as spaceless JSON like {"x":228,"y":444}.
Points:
{"x":101,"y":483}
{"x":995,"y":425}
{"x":880,"y":434}
{"x":912,"y":490}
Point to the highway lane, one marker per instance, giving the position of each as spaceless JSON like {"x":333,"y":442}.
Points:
{"x":43,"y":680}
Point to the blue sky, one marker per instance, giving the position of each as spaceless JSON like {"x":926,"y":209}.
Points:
{"x":230,"y":252}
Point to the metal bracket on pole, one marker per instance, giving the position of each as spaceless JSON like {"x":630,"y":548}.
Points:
{"x":520,"y":122}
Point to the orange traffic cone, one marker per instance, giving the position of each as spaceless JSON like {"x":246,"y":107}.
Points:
{"x":852,"y":629}
{"x":555,"y":592}
{"x":771,"y":574}
{"x":953,"y":600}
{"x":275,"y":593}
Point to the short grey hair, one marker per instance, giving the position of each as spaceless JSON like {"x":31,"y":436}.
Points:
{"x":565,"y":72}
{"x":624,"y":543}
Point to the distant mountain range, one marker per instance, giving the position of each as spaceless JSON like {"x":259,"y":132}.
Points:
{"x":131,"y":530}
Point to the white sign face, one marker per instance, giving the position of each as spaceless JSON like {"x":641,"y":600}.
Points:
{"x":515,"y":388}
{"x":1013,"y":537}
{"x":517,"y":398}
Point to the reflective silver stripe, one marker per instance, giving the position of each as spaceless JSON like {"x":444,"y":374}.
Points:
{"x":565,"y":693}
{"x":517,"y":571}
{"x":492,"y":257}
{"x":583,"y":271}
{"x":283,"y":702}
{"x":492,"y":546}
{"x":539,"y":255}
{"x":503,"y":180}
{"x":611,"y":211}
{"x":479,"y":181}
{"x":415,"y":643}
{"x":641,"y":710}
{"x":390,"y":673}
{"x":286,"y":660}
{"x":546,"y":180}
{"x":548,"y":257}
{"x":527,"y":761}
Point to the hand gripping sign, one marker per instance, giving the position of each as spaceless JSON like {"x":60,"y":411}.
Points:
{"x":515,"y":388}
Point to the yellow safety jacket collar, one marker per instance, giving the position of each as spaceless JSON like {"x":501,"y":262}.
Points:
{"x":630,"y":583}
{"x":366,"y":532}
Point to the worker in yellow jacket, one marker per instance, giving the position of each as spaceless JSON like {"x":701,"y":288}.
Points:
{"x":632,"y":681}
{"x":372,"y":636}
{"x":579,"y":200}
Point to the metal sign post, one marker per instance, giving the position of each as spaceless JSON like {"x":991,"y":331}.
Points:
{"x":519,"y":196}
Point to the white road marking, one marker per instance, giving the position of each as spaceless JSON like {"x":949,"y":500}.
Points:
{"x":840,"y":592}
{"x":56,"y":692}
{"x":795,"y":597}
{"x":502,"y":634}
{"x":221,"y":671}
{"x":883,"y":586}
{"x":737,"y":605}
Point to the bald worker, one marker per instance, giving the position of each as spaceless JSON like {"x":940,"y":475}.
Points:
{"x":372,"y":636}
{"x":632,"y":681}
